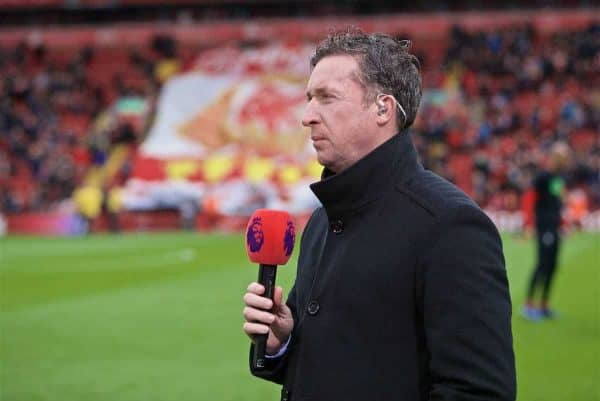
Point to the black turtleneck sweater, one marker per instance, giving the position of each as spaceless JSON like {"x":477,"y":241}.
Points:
{"x":401,"y":291}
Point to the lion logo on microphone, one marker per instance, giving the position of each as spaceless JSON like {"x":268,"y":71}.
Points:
{"x":255,"y":236}
{"x":289,"y":238}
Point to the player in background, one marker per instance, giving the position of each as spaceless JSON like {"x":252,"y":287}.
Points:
{"x":542,"y":206}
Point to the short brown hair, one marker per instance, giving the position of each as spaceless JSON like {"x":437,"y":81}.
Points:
{"x":386,"y":66}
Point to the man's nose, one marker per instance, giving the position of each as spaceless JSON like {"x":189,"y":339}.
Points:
{"x":310,"y":116}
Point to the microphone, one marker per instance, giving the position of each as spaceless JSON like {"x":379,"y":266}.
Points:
{"x":270,"y":237}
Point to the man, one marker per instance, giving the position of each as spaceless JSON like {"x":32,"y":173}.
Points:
{"x":401,"y":291}
{"x":544,"y":205}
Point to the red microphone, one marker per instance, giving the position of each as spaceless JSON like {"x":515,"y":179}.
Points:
{"x":270,"y":237}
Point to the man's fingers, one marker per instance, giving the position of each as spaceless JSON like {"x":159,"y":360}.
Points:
{"x":255,"y":328}
{"x":256,"y":288}
{"x":256,"y":301}
{"x":256,"y":315}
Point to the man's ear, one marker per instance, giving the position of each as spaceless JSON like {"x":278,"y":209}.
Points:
{"x":385,"y":109}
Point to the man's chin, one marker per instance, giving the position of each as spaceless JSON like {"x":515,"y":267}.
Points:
{"x":323,"y":161}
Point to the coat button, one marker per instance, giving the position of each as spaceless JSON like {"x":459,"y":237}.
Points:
{"x":313,"y":307}
{"x":337,"y":226}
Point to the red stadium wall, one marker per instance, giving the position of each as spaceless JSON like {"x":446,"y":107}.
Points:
{"x":424,"y":26}
{"x":61,"y":223}
{"x":67,"y":224}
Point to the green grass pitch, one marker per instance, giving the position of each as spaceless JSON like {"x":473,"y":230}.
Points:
{"x":144,"y":317}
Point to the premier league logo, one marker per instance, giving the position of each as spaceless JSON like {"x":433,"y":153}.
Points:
{"x":290,"y":237}
{"x":255,"y":236}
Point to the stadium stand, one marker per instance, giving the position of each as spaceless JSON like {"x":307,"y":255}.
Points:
{"x":496,"y":97}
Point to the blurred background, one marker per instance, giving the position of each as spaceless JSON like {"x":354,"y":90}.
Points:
{"x":137,"y":137}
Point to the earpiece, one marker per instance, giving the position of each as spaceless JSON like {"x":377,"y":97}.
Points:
{"x":382,"y":109}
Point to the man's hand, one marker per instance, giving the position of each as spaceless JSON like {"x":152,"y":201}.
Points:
{"x":278,"y":322}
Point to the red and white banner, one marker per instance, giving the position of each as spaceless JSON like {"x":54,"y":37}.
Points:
{"x":232,"y":131}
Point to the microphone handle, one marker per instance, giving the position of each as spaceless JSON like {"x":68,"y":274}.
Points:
{"x":266,"y":277}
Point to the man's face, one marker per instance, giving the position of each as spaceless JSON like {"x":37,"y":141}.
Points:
{"x":342,"y":125}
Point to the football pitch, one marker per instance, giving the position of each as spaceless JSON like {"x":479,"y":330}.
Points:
{"x":143,"y":317}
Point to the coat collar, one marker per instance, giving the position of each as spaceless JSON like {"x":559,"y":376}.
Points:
{"x":366,"y":180}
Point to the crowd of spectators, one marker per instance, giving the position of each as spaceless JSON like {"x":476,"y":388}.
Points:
{"x":41,"y":105}
{"x":491,"y":110}
{"x":510,"y":94}
{"x":55,"y":121}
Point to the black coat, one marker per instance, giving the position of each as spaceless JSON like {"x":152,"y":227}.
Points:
{"x":401,"y":291}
